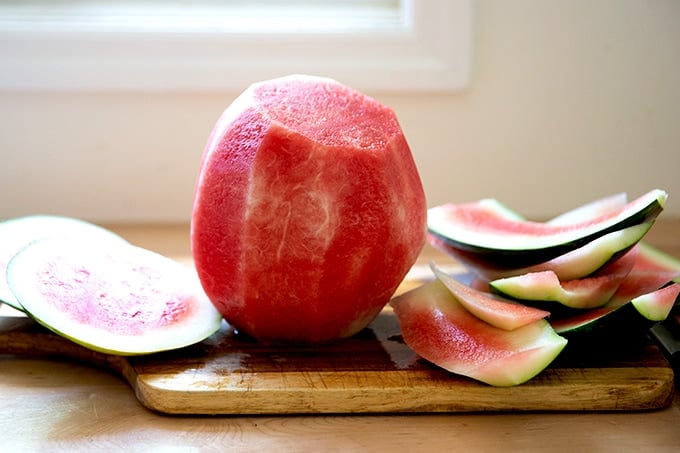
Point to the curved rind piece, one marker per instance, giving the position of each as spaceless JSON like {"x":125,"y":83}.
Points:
{"x":502,"y":313}
{"x":477,"y":230}
{"x":584,"y":293}
{"x":578,"y":263}
{"x":626,"y":320}
{"x":438,"y":328}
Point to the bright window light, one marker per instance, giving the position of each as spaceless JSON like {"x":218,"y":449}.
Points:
{"x":208,"y":45}
{"x":200,"y":16}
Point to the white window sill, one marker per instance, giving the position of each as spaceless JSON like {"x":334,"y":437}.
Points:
{"x":425,"y":47}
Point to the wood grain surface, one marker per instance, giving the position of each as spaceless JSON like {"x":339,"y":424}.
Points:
{"x":372,"y":372}
{"x":52,"y":404}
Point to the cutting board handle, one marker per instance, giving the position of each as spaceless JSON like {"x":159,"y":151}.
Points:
{"x":23,"y":337}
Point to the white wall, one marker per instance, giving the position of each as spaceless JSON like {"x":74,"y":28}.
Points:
{"x":569,"y":100}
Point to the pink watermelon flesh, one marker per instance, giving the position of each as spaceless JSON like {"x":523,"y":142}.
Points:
{"x":653,"y":259}
{"x":479,"y":230}
{"x":657,"y":305}
{"x":639,"y":282}
{"x":308,"y":211}
{"x":443,"y":332}
{"x":115,"y":298}
{"x":589,"y":292}
{"x":17,"y":233}
{"x":591,"y":210}
{"x":501,"y":313}
{"x":652,"y":270}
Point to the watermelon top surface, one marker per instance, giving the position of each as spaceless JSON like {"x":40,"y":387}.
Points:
{"x":480,"y":227}
{"x":318,"y":108}
{"x":327,"y":112}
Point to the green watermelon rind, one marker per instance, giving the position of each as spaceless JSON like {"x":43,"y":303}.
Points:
{"x":200,"y":324}
{"x":611,"y":323}
{"x":503,"y":250}
{"x":551,"y":291}
{"x":18,"y":232}
{"x":546,"y":287}
{"x":577,"y":263}
{"x":648,"y":307}
{"x":604,"y":321}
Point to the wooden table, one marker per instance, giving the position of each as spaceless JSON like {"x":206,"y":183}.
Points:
{"x":60,"y":406}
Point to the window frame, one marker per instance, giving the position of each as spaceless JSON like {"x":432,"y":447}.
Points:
{"x":429,"y":50}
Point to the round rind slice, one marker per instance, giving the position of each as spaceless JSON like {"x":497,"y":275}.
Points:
{"x":111,"y":297}
{"x":439,"y":329}
{"x":18,"y":232}
{"x":479,"y":230}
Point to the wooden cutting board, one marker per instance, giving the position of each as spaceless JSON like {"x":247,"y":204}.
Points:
{"x":373,"y":372}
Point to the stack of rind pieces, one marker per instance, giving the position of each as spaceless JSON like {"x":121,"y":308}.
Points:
{"x":583,"y":266}
{"x":588,"y":269}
